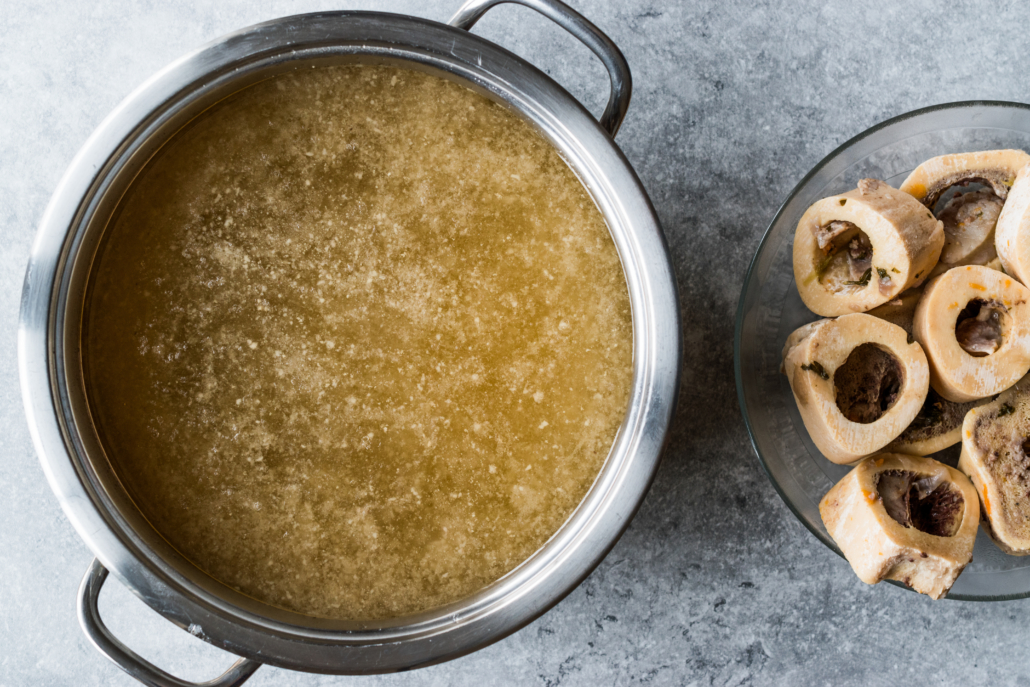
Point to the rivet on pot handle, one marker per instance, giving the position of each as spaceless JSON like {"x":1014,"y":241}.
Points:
{"x":127,"y":659}
{"x":591,"y":36}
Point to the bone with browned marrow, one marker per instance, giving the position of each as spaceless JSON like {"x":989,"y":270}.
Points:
{"x":996,"y":456}
{"x":974,"y":325}
{"x":858,"y":382}
{"x":1012,"y":236}
{"x":938,"y":424}
{"x":994,"y":169}
{"x":969,"y":216}
{"x":857,"y":250}
{"x":904,"y":518}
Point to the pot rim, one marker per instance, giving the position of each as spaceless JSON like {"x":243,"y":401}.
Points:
{"x":531,"y":588}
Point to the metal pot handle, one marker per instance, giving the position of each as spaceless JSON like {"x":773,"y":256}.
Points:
{"x":127,"y":659}
{"x":588,"y":34}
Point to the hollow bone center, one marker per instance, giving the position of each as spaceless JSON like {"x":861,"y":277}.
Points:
{"x":978,"y":327}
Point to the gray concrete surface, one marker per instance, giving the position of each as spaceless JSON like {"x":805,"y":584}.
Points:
{"x":715,"y":583}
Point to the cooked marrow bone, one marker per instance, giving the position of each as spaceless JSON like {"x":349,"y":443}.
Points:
{"x":858,"y":382}
{"x":974,"y":325}
{"x":969,"y":218}
{"x":857,"y":250}
{"x":938,"y":424}
{"x":1012,"y":235}
{"x":994,"y":168}
{"x":995,"y":445}
{"x":904,"y":518}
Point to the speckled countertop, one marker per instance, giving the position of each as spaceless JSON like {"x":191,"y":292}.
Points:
{"x":714,"y":583}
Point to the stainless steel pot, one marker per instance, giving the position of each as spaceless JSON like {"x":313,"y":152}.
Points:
{"x":51,"y":377}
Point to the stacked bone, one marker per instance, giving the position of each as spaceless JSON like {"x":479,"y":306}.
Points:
{"x":927,"y":320}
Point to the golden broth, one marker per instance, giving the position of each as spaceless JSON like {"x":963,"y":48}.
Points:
{"x":358,"y":341}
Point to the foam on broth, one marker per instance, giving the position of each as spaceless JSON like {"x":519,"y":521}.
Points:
{"x":358,"y":341}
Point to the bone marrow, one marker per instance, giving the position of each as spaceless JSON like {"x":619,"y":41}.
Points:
{"x":859,"y":381}
{"x":996,"y":456}
{"x":930,"y":504}
{"x":868,"y":383}
{"x":969,"y":221}
{"x":860,"y":249}
{"x":904,"y":518}
{"x":973,"y":324}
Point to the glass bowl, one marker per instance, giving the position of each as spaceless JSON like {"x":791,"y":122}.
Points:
{"x":770,"y":309}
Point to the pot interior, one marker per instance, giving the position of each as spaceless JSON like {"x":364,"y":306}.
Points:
{"x":87,"y":243}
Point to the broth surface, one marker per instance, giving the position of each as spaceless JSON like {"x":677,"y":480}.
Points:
{"x":357,"y":342}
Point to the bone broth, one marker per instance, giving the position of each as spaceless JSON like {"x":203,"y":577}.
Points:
{"x":357,"y":341}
